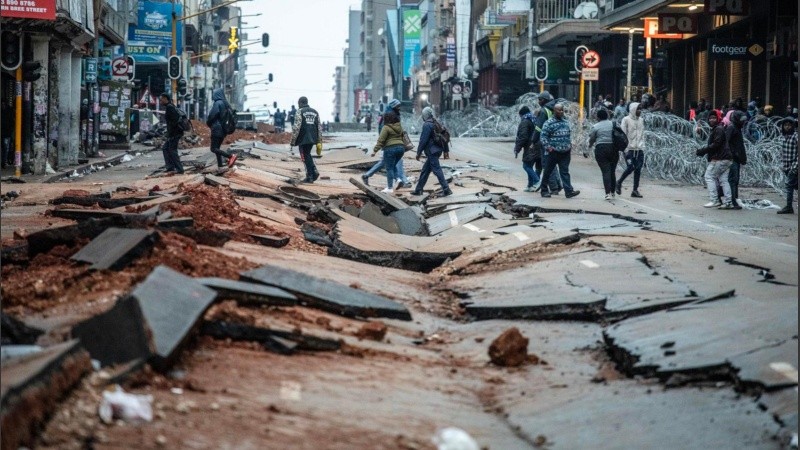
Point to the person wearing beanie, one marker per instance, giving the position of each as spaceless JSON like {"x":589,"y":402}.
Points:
{"x":524,"y":143}
{"x":433,"y":150}
{"x":306,"y":133}
{"x":719,"y":163}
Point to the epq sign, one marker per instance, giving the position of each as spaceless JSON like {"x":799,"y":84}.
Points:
{"x":678,"y":23}
{"x":727,"y":7}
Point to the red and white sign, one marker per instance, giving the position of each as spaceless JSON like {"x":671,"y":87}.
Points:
{"x":119,"y":67}
{"x":29,"y":9}
{"x":651,"y":30}
{"x":591,"y":59}
{"x":590,"y":74}
{"x":146,"y":98}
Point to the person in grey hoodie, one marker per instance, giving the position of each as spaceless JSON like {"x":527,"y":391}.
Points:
{"x":633,"y":127}
{"x":607,"y":157}
{"x":215,"y":121}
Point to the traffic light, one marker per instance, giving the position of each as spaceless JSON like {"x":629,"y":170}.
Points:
{"x":182,"y":86}
{"x":31,"y":70}
{"x":174,"y":67}
{"x":541,"y":69}
{"x":12,"y":50}
{"x":265,"y":40}
{"x":269,"y":78}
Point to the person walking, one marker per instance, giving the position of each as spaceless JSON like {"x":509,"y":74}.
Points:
{"x":789,"y":161}
{"x":393,"y":107}
{"x":620,"y":111}
{"x":607,"y":157}
{"x":546,"y":103}
{"x":307,"y":132}
{"x":432,"y":151}
{"x":735,"y":142}
{"x":556,"y":140}
{"x":719,"y":162}
{"x":215,"y":121}
{"x":172,"y":160}
{"x":524,"y":144}
{"x":633,"y":127}
{"x":292,"y":116}
{"x":368,"y":120}
{"x":391,"y":142}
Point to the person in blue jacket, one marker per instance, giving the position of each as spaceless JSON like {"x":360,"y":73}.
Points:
{"x":432,"y":153}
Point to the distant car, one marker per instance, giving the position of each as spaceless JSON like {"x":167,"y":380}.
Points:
{"x":246,"y":121}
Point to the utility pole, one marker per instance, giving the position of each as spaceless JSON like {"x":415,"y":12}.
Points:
{"x":174,"y":50}
{"x":630,"y":65}
{"x":18,"y":123}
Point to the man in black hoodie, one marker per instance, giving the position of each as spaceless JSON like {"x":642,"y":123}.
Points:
{"x":216,"y":122}
{"x":174,"y":133}
{"x":735,"y":140}
{"x":307,"y":132}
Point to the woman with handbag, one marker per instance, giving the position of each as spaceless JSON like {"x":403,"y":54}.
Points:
{"x":393,"y":145}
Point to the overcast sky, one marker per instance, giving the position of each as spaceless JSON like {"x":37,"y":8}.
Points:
{"x":306,"y":40}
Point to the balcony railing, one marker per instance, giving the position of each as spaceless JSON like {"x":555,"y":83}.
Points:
{"x":550,"y":12}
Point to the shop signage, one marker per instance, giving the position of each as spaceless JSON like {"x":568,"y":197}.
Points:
{"x":651,"y":30}
{"x":727,"y":7}
{"x":677,"y":23}
{"x":739,"y":49}
{"x":29,"y":9}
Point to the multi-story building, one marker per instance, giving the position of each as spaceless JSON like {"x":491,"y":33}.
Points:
{"x":340,"y":93}
{"x":353,"y":61}
{"x":372,"y":52}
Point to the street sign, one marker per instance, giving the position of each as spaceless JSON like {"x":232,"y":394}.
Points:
{"x":591,"y":74}
{"x":90,"y":70}
{"x":131,"y":67}
{"x":119,"y":68}
{"x":541,"y":69}
{"x":579,"y":52}
{"x":591,"y":59}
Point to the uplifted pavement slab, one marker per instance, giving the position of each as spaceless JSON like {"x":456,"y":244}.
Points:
{"x":387,"y":200}
{"x":744,"y":340}
{"x":249,"y":293}
{"x":32,"y":386}
{"x":115,"y":248}
{"x":450,"y":219}
{"x":271,"y":337}
{"x":328,"y":295}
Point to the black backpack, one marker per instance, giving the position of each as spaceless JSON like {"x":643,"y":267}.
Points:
{"x":441,"y":137}
{"x":620,"y":139}
{"x":228,"y":119}
{"x":184,"y":124}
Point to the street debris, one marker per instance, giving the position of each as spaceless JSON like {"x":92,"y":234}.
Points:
{"x":118,"y":404}
{"x":452,"y":438}
{"x":510,"y":349}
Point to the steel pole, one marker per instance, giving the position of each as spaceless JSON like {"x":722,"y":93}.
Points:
{"x":18,"y":123}
{"x":630,"y":66}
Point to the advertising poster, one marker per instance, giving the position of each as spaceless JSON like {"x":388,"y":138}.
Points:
{"x":150,"y":39}
{"x":412,"y":27}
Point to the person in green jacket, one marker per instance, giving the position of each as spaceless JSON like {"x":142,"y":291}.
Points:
{"x":391,"y":141}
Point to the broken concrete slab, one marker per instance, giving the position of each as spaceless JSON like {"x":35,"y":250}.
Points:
{"x":387,"y":200}
{"x":442,"y":222}
{"x":692,"y":340}
{"x":87,"y":214}
{"x":316,"y":234}
{"x":155,"y":202}
{"x":16,"y":332}
{"x":373,"y":214}
{"x":115,"y":248}
{"x":495,"y":214}
{"x":271,"y":241}
{"x":268,"y":336}
{"x":410,"y":222}
{"x":328,"y":295}
{"x":172,"y":304}
{"x":458,"y":200}
{"x":44,"y":240}
{"x":249,"y":293}
{"x":213,"y":180}
{"x":31,"y":387}
{"x":176,"y":222}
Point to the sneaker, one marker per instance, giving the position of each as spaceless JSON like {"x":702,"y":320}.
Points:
{"x":546,"y":195}
{"x":408,"y":185}
{"x":232,"y":160}
{"x":365,"y":179}
{"x":316,"y":177}
{"x":619,"y":188}
{"x":536,"y":187}
{"x":556,"y":192}
{"x":447,"y":193}
{"x":712,"y":205}
{"x":397,"y":184}
{"x":416,"y":193}
{"x":572,"y":194}
{"x":609,"y":196}
{"x":387,"y":190}
{"x":786,"y":210}
{"x":529,"y":189}
{"x":726,"y":206}
{"x":636,"y":194}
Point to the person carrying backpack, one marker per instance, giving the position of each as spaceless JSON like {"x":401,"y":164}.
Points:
{"x":307,"y":132}
{"x":433,"y":150}
{"x":735,"y":141}
{"x":172,"y":160}
{"x":217,"y":120}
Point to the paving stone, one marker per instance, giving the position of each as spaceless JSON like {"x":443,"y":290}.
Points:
{"x":328,"y":295}
{"x":255,"y":293}
{"x":115,"y":248}
{"x":32,"y":387}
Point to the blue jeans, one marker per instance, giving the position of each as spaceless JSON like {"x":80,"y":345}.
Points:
{"x":401,"y":174}
{"x":533,"y":177}
{"x":560,"y":159}
{"x":635,"y":161}
{"x":432,"y":165}
{"x":391,"y":156}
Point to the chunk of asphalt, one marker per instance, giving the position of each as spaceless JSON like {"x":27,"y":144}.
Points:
{"x":115,"y":248}
{"x":176,"y":222}
{"x":16,"y":332}
{"x":492,"y":212}
{"x":172,"y":304}
{"x":271,"y":241}
{"x":44,"y":240}
{"x":253,"y":293}
{"x":328,"y":295}
{"x":242,"y":332}
{"x":315,"y":234}
{"x":390,"y":201}
{"x":86,"y":214}
{"x":213,"y":180}
{"x":32,"y":386}
{"x":443,"y":222}
{"x":373,"y":214}
{"x":410,"y":222}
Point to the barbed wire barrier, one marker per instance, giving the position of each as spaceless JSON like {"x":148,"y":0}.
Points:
{"x":670,"y":141}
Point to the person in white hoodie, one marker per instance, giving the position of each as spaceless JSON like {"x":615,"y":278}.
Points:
{"x":633,"y":126}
